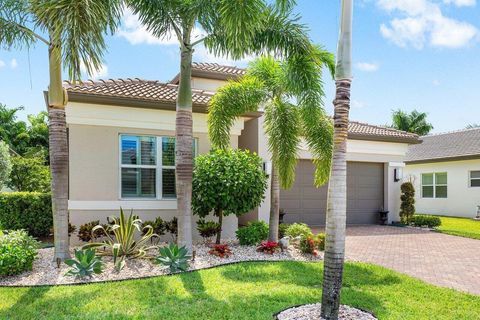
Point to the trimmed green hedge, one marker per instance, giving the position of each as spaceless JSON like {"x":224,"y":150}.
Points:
{"x":426,"y":221}
{"x":31,"y":211}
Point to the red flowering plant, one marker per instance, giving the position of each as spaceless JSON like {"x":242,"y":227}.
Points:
{"x":220,"y":250}
{"x":269,"y":247}
{"x":312,"y":244}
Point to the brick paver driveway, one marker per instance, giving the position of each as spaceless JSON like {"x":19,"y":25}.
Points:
{"x":440,"y":259}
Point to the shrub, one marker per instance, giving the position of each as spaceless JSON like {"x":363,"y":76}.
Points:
{"x":17,"y":252}
{"x":30,"y":211}
{"x":312,"y":244}
{"x":227,"y":182}
{"x":121,"y":239}
{"x":426,"y":221}
{"x":253,"y":233}
{"x":5,"y":164}
{"x":85,"y":231}
{"x":85,"y":264}
{"x":282,"y":229}
{"x":29,"y":175}
{"x":172,"y":227}
{"x":208,"y":229}
{"x":407,"y":207}
{"x":174,"y":257}
{"x":269,"y":247}
{"x":220,"y":250}
{"x":158,"y":226}
{"x":298,"y":230}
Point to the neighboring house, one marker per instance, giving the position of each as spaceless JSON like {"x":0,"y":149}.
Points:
{"x":445,"y":170}
{"x":121,"y":146}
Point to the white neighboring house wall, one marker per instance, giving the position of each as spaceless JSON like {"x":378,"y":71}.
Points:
{"x":462,"y":200}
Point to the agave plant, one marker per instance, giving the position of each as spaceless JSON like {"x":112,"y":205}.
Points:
{"x":174,"y":257}
{"x":125,"y":237}
{"x":85,"y":264}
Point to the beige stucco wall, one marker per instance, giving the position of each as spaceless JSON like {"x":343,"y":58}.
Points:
{"x":462,"y":200}
{"x":207,"y":84}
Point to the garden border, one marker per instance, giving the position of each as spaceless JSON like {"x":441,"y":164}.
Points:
{"x":275,"y":315}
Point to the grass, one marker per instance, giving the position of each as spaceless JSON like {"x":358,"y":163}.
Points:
{"x":462,"y":227}
{"x":241,"y":291}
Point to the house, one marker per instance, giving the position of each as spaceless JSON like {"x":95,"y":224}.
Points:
{"x":445,"y":170}
{"x":121,"y":149}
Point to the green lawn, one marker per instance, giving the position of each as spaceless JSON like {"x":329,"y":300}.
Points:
{"x":242,"y":291}
{"x":463,"y":227}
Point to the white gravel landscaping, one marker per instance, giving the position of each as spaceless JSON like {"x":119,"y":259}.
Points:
{"x":45,"y":271}
{"x":312,"y":312}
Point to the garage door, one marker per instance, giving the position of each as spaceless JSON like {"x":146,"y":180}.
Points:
{"x":305,"y":203}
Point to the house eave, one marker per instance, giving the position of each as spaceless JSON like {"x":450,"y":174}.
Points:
{"x":370,"y":137}
{"x":444,"y":159}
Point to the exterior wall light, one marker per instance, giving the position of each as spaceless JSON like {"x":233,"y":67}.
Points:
{"x":397,"y":174}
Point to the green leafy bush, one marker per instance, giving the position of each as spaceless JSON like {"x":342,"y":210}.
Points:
{"x":298,"y":230}
{"x":85,"y":231}
{"x":158,"y":226}
{"x":172,"y":228}
{"x":282,"y":229}
{"x":253,"y":233}
{"x":85,"y":264}
{"x":312,"y":244}
{"x":174,"y":257}
{"x":17,"y":252}
{"x":122,"y":239}
{"x":227,"y":182}
{"x":421,"y":220}
{"x":5,"y":164}
{"x":30,"y":211}
{"x":29,"y":175}
{"x":208,"y":229}
{"x":407,"y":207}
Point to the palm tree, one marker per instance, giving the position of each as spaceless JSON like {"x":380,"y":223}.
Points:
{"x":234,"y":28}
{"x":75,"y":31}
{"x":337,"y":186}
{"x":414,"y":122}
{"x":272,"y":84}
{"x":472,"y":126}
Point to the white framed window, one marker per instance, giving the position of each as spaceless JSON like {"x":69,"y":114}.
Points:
{"x":147,"y":166}
{"x":434,"y":185}
{"x":475,"y":178}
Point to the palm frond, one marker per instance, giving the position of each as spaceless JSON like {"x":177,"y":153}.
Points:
{"x":229,"y":103}
{"x":14,"y":21}
{"x":282,"y":127}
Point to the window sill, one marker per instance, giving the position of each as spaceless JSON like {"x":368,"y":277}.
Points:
{"x":126,"y":204}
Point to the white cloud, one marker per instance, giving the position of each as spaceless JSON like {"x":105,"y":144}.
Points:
{"x":101,"y":73}
{"x":367,"y":66}
{"x":436,"y":82}
{"x":461,"y":3}
{"x":423,"y":22}
{"x":358,"y":104}
{"x":13,"y":63}
{"x":2,"y":64}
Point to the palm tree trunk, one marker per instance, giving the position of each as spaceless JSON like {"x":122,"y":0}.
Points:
{"x":274,"y":206}
{"x":58,"y":154}
{"x":184,"y":148}
{"x":220,"y":222}
{"x":336,"y":207}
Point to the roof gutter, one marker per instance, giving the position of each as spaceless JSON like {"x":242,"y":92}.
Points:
{"x":369,"y":137}
{"x":446,"y":159}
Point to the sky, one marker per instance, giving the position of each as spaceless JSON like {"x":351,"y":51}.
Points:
{"x":407,"y":54}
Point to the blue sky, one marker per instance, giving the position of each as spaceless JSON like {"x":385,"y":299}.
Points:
{"x":408,"y":54}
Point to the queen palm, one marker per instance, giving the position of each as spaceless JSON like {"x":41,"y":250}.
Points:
{"x":290,"y":91}
{"x":414,"y":122}
{"x":337,"y":186}
{"x":75,"y":34}
{"x":233,"y":28}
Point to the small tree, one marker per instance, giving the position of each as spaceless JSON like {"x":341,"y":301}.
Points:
{"x":30,"y":175}
{"x":227,"y":182}
{"x":5,"y":164}
{"x":407,"y":208}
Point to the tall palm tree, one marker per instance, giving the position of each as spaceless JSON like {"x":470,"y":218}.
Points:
{"x":234,"y":28}
{"x":414,"y":122}
{"x":75,"y":30}
{"x":273,"y":85}
{"x":337,"y":186}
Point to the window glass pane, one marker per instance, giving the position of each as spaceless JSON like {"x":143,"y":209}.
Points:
{"x":440,"y":191}
{"x":441,"y":178}
{"x":475,"y":183}
{"x":475,"y":174}
{"x":138,"y":182}
{"x":168,"y":151}
{"x":427,"y":192}
{"x":168,"y":183}
{"x":129,"y":150}
{"x":427,"y":178}
{"x":148,"y":150}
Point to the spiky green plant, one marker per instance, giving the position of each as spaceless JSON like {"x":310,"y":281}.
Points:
{"x":125,"y":237}
{"x":291,"y":92}
{"x":174,"y":257}
{"x":85,"y":264}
